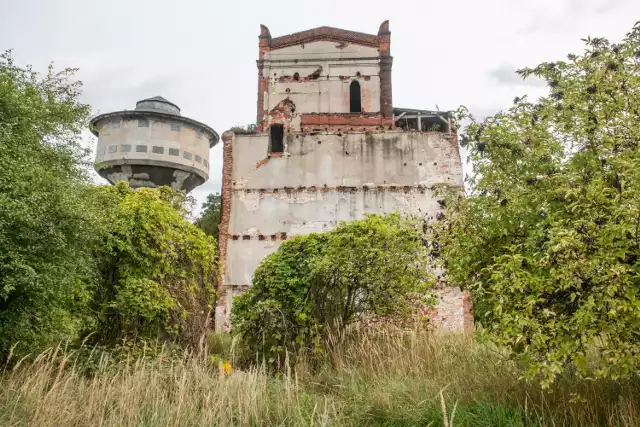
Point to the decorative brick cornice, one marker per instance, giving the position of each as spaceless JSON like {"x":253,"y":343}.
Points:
{"x":325,"y":33}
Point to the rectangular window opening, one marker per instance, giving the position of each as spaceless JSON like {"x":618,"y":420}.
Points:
{"x":141,"y":148}
{"x":143,"y":123}
{"x":205,"y":162}
{"x":125,"y":148}
{"x":157,"y":150}
{"x":175,"y":127}
{"x":187,"y":155}
{"x":277,"y":138}
{"x":174,"y":151}
{"x":198,"y":159}
{"x":113,"y":148}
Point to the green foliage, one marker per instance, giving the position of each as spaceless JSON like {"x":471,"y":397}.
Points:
{"x":45,"y":216}
{"x":209,"y":220}
{"x":549,"y":238}
{"x":157,"y":270}
{"x":320,"y":283}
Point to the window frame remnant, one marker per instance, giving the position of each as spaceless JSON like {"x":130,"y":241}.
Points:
{"x":276,"y":138}
{"x":355,"y":97}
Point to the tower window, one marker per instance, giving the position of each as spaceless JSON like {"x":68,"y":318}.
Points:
{"x":296,"y":77}
{"x":277,"y":138}
{"x":143,"y":123}
{"x":157,"y":150}
{"x":175,"y":127}
{"x":141,"y":148}
{"x":125,"y":148}
{"x":355,"y":103}
{"x":174,"y":151}
{"x":187,"y":155}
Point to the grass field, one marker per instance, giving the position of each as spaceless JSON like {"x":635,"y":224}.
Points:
{"x":381,"y":379}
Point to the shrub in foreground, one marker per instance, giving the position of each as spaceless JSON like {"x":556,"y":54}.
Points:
{"x":157,"y":269}
{"x":321,"y":283}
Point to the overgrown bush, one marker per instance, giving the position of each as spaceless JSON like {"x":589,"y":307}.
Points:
{"x":549,"y":238}
{"x":46,"y":218}
{"x":157,"y":270}
{"x":320,"y":283}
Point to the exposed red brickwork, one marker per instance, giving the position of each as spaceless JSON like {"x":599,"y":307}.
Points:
{"x":386,"y":61}
{"x":263,"y":85}
{"x":454,"y":136}
{"x":282,"y":111}
{"x":386,"y":91}
{"x":261,"y":237}
{"x":227,"y":192}
{"x":467,"y":306}
{"x":325,"y":33}
{"x":343,"y":122}
{"x":265,"y":41}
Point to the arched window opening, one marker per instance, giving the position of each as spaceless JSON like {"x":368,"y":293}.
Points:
{"x":296,"y":77}
{"x":277,"y":138}
{"x":355,"y":103}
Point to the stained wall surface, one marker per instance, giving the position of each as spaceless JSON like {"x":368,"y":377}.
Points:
{"x":335,"y":66}
{"x":155,"y":140}
{"x":321,"y":179}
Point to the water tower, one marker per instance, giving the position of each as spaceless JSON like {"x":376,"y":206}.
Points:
{"x":153,"y":146}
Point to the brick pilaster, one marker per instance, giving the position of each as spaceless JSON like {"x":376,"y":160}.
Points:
{"x":223,"y":229}
{"x":264,"y":45}
{"x":386,"y":61}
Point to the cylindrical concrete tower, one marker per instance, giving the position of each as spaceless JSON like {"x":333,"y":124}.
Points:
{"x":153,"y":146}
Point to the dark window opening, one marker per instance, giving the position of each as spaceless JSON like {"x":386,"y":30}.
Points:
{"x":355,"y":103}
{"x":296,"y":77}
{"x":277,"y":138}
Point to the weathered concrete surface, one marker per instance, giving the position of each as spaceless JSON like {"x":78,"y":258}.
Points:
{"x":320,"y":180}
{"x":152,"y":146}
{"x":329,"y":91}
{"x":389,"y":158}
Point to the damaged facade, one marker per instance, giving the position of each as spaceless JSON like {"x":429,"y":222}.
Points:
{"x":329,"y":147}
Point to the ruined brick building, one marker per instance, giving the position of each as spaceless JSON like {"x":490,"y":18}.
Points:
{"x":330,"y":146}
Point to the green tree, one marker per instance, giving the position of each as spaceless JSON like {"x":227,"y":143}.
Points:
{"x":157,"y":270}
{"x":45,"y":218}
{"x":549,"y":238}
{"x":209,"y":220}
{"x":320,"y":283}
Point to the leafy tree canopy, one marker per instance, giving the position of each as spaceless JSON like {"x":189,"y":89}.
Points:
{"x":549,"y":238}
{"x":321,"y":283}
{"x":45,"y":218}
{"x":209,"y":220}
{"x":157,"y":270}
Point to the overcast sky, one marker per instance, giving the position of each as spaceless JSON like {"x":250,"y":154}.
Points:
{"x":201,"y":54}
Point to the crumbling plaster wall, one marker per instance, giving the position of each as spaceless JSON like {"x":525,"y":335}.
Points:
{"x":325,"y":178}
{"x":347,"y":159}
{"x":336,"y":65}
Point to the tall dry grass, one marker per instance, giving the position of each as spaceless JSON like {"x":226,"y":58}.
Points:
{"x":382,"y":377}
